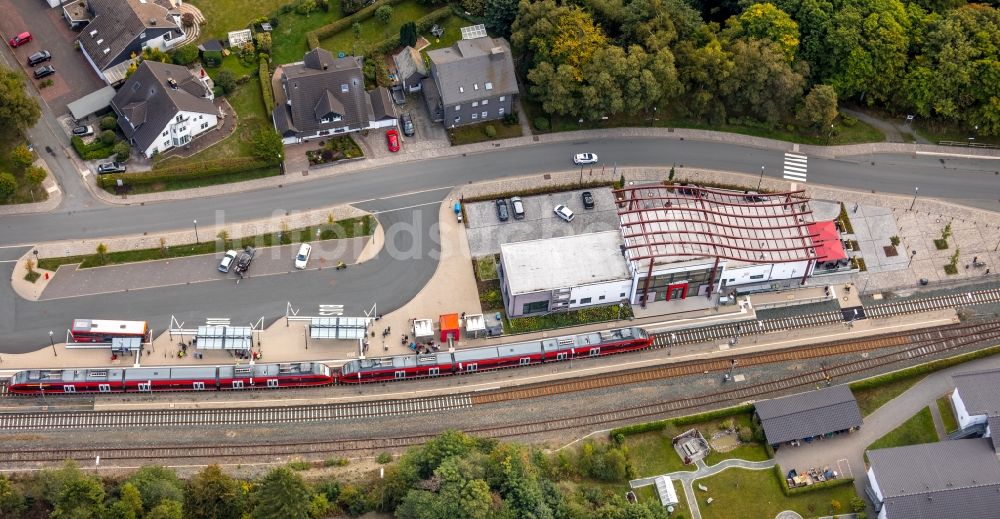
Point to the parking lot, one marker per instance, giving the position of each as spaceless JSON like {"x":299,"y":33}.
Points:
{"x":74,"y":78}
{"x":486,"y":232}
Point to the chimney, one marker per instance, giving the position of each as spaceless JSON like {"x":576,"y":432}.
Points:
{"x":152,"y":21}
{"x":326,"y":65}
{"x":498,"y":50}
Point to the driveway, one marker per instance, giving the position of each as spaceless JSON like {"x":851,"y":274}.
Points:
{"x":486,"y":232}
{"x":72,"y":282}
{"x":74,"y":77}
{"x":427,"y":136}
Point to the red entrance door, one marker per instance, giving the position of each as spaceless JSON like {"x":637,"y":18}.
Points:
{"x":678,"y":291}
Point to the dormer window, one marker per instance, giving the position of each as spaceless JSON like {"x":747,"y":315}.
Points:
{"x":93,"y":33}
{"x":100,"y":41}
{"x":107,"y":51}
{"x":461,"y":89}
{"x":488,"y":85}
{"x":475,"y":86}
{"x":344,"y":88}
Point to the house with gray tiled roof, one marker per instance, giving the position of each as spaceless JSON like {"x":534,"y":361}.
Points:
{"x":807,"y":415}
{"x":161,"y":106}
{"x":121,"y":28}
{"x":976,"y":398}
{"x":958,"y":478}
{"x":323,"y":95}
{"x":472,"y":81}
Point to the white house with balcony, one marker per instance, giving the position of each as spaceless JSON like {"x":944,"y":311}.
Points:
{"x":162,"y":106}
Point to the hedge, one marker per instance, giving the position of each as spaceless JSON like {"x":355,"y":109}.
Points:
{"x":659,"y":425}
{"x":542,"y":190}
{"x":206,"y":168}
{"x":265,"y":86}
{"x":424,"y":23}
{"x":92,"y":151}
{"x":321,"y":33}
{"x":922,"y":369}
{"x":830,"y":483}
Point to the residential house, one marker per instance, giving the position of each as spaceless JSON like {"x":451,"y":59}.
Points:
{"x":410,"y":69}
{"x":957,"y":478}
{"x":976,"y":399}
{"x":472,"y":81}
{"x":162,"y":105}
{"x":323,"y":95}
{"x":807,"y":415}
{"x":120,"y":29}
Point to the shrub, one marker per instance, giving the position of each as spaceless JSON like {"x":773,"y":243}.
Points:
{"x":336,"y":462}
{"x":356,"y":28}
{"x":306,"y":6}
{"x":265,"y":85}
{"x":92,"y":151}
{"x":384,"y":458}
{"x":122,"y":150}
{"x":351,"y":6}
{"x":511,"y":119}
{"x":541,"y":123}
{"x":312,"y":40}
{"x":185,"y":54}
{"x":8,"y":185}
{"x":408,"y":34}
{"x":108,"y":137}
{"x":22,"y":156}
{"x":895,"y":241}
{"x":473,"y":7}
{"x":490,"y":131}
{"x":226,"y":81}
{"x":35,"y":175}
{"x":208,"y":168}
{"x":299,"y":465}
{"x":109,"y":123}
{"x":263,"y":40}
{"x":187,"y":19}
{"x":361,"y":15}
{"x":383,"y":13}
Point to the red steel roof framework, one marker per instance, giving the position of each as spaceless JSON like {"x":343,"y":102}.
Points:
{"x":660,"y":221}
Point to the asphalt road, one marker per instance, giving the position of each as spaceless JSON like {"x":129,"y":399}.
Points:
{"x":391,"y":279}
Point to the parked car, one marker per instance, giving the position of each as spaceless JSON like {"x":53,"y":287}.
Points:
{"x":564,"y":212}
{"x":83,"y":131}
{"x":588,"y":200}
{"x":39,"y":57}
{"x":243,"y":262}
{"x":517,"y":206}
{"x":227,"y":261}
{"x":585,"y":158}
{"x":302,"y":258}
{"x":392,"y":137}
{"x":45,"y":71}
{"x":20,"y":39}
{"x":407,"y":122}
{"x":502,"y":212}
{"x":110,"y":167}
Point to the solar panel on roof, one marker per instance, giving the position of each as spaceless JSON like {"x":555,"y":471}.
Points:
{"x":473,"y":32}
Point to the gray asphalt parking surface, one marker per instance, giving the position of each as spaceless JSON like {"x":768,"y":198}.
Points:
{"x":486,"y":232}
{"x":73,"y":282}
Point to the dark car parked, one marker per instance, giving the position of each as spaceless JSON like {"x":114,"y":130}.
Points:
{"x":243,"y":262}
{"x":407,"y":124}
{"x":588,"y":200}
{"x":110,"y":167}
{"x":39,"y":57}
{"x":45,"y":71}
{"x":502,"y":212}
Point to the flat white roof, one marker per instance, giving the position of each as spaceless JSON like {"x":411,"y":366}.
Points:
{"x":423,"y":328}
{"x":568,"y":261}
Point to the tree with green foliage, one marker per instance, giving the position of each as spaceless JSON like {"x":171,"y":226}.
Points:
{"x":762,"y":83}
{"x":109,"y":122}
{"x":383,"y":13}
{"x":352,"y":500}
{"x":122,"y":150}
{"x":211,"y":494}
{"x":185,"y":54}
{"x":765,"y":21}
{"x":356,"y":29}
{"x":408,"y":34}
{"x":154,"y":54}
{"x":167,"y":509}
{"x":11,"y":499}
{"x":72,"y":493}
{"x":21,"y":156}
{"x":128,"y":505}
{"x":35,"y":175}
{"x":226,"y":80}
{"x":18,"y":109}
{"x":473,"y":7}
{"x":157,"y":484}
{"x":267,"y":145}
{"x":282,"y":493}
{"x":819,"y":109}
{"x":108,"y":137}
{"x":8,"y":185}
{"x":499,"y":16}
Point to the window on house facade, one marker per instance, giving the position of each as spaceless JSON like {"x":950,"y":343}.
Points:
{"x":486,"y":102}
{"x":475,"y":104}
{"x":458,"y":107}
{"x":758,"y":276}
{"x":502,"y":98}
{"x":180,"y":118}
{"x":457,"y":119}
{"x":485,"y":114}
{"x":600,"y":298}
{"x":489,"y":86}
{"x":166,"y":143}
{"x":344,"y":88}
{"x":500,"y":111}
{"x":475,"y":116}
{"x":165,"y":133}
{"x":204,"y":125}
{"x":585,"y":301}
{"x":622,"y":295}
{"x":537,"y":306}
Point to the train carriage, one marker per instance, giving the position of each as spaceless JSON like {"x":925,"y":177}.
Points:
{"x":163,"y":378}
{"x":523,"y":354}
{"x":382,"y":369}
{"x":272,"y":376}
{"x":56,"y":381}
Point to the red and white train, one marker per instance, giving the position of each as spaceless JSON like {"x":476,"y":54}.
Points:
{"x":306,"y":374}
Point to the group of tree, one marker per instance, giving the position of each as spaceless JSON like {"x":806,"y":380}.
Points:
{"x":18,"y":112}
{"x":452,"y":476}
{"x":777,"y":63}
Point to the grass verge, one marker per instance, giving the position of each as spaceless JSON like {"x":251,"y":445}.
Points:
{"x":348,"y":228}
{"x":870,"y":399}
{"x":474,"y":133}
{"x":947,"y":414}
{"x":373,"y":30}
{"x":191,"y":183}
{"x":739,"y":493}
{"x":918,"y":429}
{"x":32,"y":276}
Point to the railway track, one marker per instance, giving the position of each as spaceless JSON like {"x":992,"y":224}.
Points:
{"x":727,"y":331}
{"x":967,"y":336}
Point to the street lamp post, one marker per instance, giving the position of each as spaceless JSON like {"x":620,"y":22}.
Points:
{"x":196,"y":240}
{"x":761,"y":178}
{"x":914,"y":253}
{"x":915,"y":191}
{"x":53,"y":344}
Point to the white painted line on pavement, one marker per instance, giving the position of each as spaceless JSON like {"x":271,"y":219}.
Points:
{"x":958,"y":155}
{"x":9,"y":261}
{"x":403,"y":194}
{"x":404,"y":208}
{"x":792,"y":155}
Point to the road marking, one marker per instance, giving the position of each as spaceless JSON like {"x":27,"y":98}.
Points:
{"x":404,"y":194}
{"x":957,"y":155}
{"x":328,"y":310}
{"x":795,"y":167}
{"x":405,"y":208}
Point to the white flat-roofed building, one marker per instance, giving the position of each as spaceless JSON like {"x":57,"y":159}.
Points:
{"x":565,"y":273}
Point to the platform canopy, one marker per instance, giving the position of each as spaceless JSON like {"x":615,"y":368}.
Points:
{"x":238,"y":338}
{"x":350,"y":328}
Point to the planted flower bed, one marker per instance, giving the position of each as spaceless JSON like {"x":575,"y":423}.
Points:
{"x":332,"y":150}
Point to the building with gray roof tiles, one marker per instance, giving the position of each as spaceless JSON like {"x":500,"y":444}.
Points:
{"x":410,"y":69}
{"x":959,"y":478}
{"x":976,"y":397}
{"x":475,"y":81}
{"x":323,"y":95}
{"x":810,"y":414}
{"x":121,"y":28}
{"x":162,"y":105}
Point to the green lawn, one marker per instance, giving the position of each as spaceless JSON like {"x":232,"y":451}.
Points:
{"x":222,"y":16}
{"x":947,"y":414}
{"x":452,"y":32}
{"x":373,"y":30}
{"x":477,"y":132}
{"x":288,"y":40}
{"x":872,"y":398}
{"x":918,"y":429}
{"x":652,"y":454}
{"x":740,"y":493}
{"x":348,"y":228}
{"x":937,"y":132}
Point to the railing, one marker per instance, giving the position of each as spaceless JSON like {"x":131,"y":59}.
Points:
{"x":970,"y":144}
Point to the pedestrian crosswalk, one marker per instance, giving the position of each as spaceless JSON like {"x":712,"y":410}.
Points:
{"x":795,"y":167}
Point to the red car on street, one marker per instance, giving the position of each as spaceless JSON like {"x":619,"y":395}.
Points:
{"x":20,"y":39}
{"x":392,"y":136}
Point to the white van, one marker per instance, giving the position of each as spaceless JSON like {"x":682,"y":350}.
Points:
{"x":302,"y":258}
